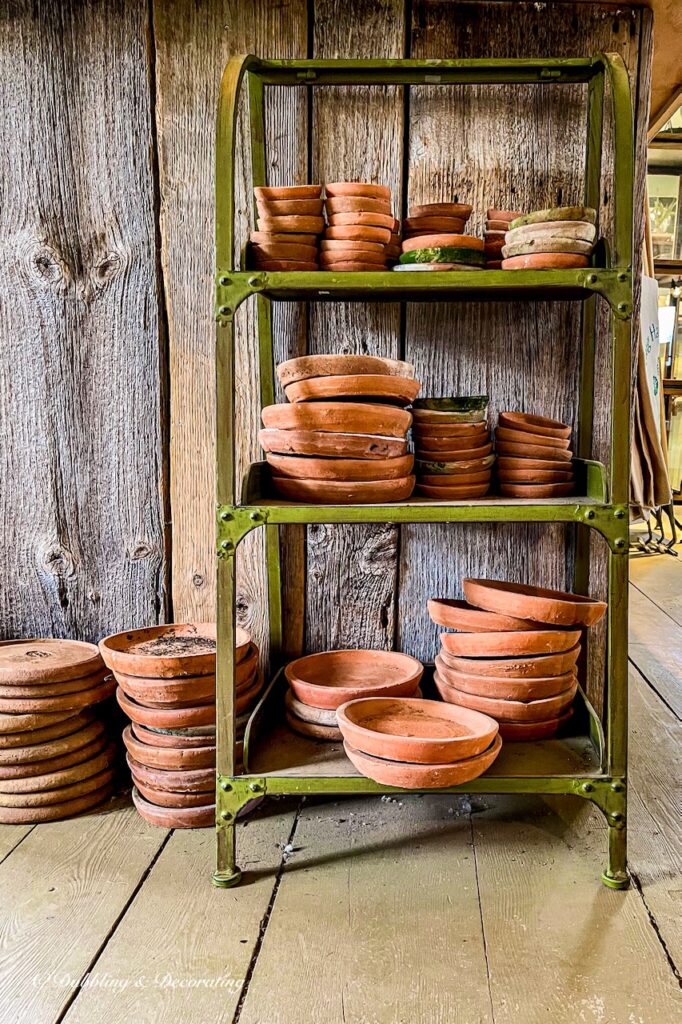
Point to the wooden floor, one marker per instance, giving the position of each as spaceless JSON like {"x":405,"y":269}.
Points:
{"x":448,"y":910}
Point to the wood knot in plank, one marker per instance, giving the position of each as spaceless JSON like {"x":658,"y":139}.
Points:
{"x":56,"y":559}
{"x":45,"y":264}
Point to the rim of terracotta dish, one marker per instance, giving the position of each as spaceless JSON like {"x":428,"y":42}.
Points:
{"x":327,"y":695}
{"x":514,"y":642}
{"x":47,"y":660}
{"x":573,"y":609}
{"x":125,"y":652}
{"x":423,"y":776}
{"x":456,"y":614}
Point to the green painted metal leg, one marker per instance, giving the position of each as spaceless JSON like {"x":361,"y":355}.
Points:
{"x":226,"y":874}
{"x":616,"y":875}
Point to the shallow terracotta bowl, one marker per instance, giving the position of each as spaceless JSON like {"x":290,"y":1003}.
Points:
{"x":332,"y":678}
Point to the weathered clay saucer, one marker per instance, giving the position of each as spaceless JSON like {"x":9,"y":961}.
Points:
{"x":266,"y":251}
{"x":247,"y":698}
{"x":49,"y":689}
{"x":416,"y":226}
{"x":464,"y":617}
{"x":341,"y":492}
{"x":446,"y":240}
{"x":526,"y":437}
{"x":40,"y":661}
{"x":313,"y":731}
{"x":507,"y":710}
{"x":401,"y":390}
{"x":556,"y":213}
{"x":175,"y":738}
{"x":92,"y":762}
{"x":540,"y":604}
{"x":497,"y":225}
{"x":168,"y":757}
{"x":289,"y":207}
{"x":167,"y":798}
{"x":359,"y":233}
{"x":533,"y":451}
{"x":91,"y":748}
{"x":165,"y":652}
{"x":344,"y":417}
{"x":531,"y":424}
{"x":434,"y":467}
{"x":440,"y":416}
{"x":509,"y":644}
{"x":352,"y":266}
{"x":482,"y":476}
{"x":10,"y":724}
{"x":454,"y":493}
{"x":546,"y":261}
{"x":67,"y":809}
{"x":328,"y":260}
{"x":174,"y":817}
{"x":408,"y":729}
{"x":528,"y":732}
{"x":454,"y":454}
{"x":462,"y":210}
{"x":270,"y":238}
{"x":339,"y":445}
{"x":535,"y":476}
{"x":511,"y":462}
{"x":504,"y":687}
{"x":308,"y":713}
{"x":493,"y":248}
{"x":30,"y":737}
{"x":545,"y":245}
{"x":492,"y":213}
{"x":52,"y":748}
{"x":260,"y":263}
{"x":340,"y":469}
{"x":66,"y":702}
{"x":331,"y":678}
{"x":269,"y":194}
{"x":302,"y":225}
{"x":186,"y":780}
{"x":409,"y":775}
{"x":510,"y":490}
{"x":357,"y":188}
{"x":440,"y":431}
{"x":574,"y":230}
{"x":184,"y":692}
{"x":52,"y":797}
{"x":166,"y":718}
{"x":367,"y":218}
{"x":348,"y":245}
{"x":516,"y":668}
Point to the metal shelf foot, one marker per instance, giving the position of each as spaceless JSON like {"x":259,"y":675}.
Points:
{"x":227,"y":879}
{"x":616,"y":875}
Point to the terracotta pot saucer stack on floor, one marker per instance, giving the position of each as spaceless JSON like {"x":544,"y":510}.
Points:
{"x":534,"y":457}
{"x":320,"y":683}
{"x":496,"y":226}
{"x":361,"y":232}
{"x":343,"y":437}
{"x":166,"y":686}
{"x":55,"y":756}
{"x":514,"y":654}
{"x":289,"y":224}
{"x":558,"y":239}
{"x":434,"y":239}
{"x":453,"y":448}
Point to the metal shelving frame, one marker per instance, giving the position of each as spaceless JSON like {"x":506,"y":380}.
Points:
{"x":602,"y":508}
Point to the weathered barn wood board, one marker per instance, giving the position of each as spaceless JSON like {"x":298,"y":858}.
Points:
{"x":10,"y":837}
{"x":659,"y":663}
{"x":376,"y":919}
{"x":62,"y":891}
{"x":357,"y":134}
{"x":193,"y":44}
{"x":82,"y":371}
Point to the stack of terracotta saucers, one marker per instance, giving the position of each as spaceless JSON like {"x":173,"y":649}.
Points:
{"x":343,"y":437}
{"x":534,"y":458}
{"x":417,"y":744}
{"x":496,"y":226}
{"x":320,"y":683}
{"x":556,"y":239}
{"x":166,"y":686}
{"x":290,"y":222}
{"x":55,"y":756}
{"x":361,"y":228}
{"x":453,"y":448}
{"x":433,"y":239}
{"x":515,"y":653}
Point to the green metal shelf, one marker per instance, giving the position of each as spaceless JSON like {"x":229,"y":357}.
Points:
{"x":588,"y":760}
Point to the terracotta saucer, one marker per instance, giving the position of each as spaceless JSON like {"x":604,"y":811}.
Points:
{"x":10,"y":724}
{"x":283,"y":265}
{"x":434,"y":467}
{"x":357,"y":188}
{"x":534,"y":424}
{"x":420,"y":731}
{"x":467,"y":619}
{"x":167,"y":798}
{"x":455,"y":454}
{"x":527,"y":732}
{"x":344,"y":417}
{"x":340,"y":492}
{"x":526,"y":437}
{"x":265,"y":252}
{"x":369,"y":218}
{"x":203,"y":714}
{"x":446,"y":239}
{"x":492,"y":235}
{"x":494,"y":247}
{"x":540,"y":604}
{"x":461,"y":210}
{"x":30,"y":737}
{"x":509,"y":644}
{"x":313,"y":731}
{"x":329,"y":259}
{"x":174,"y":817}
{"x":98,"y":759}
{"x":185,"y":692}
{"x":168,"y":757}
{"x":52,"y":797}
{"x":66,"y":702}
{"x":510,"y":462}
{"x":331,"y":678}
{"x":437,"y":224}
{"x":506,"y":215}
{"x":75,"y":755}
{"x":409,"y":775}
{"x":186,"y":780}
{"x":289,"y":207}
{"x":177,"y":739}
{"x":516,"y":668}
{"x":438,"y":431}
{"x":535,"y":476}
{"x":67,"y":809}
{"x":506,"y":710}
{"x":287,"y":192}
{"x":493,"y":265}
{"x":504,"y":687}
{"x":288,"y":224}
{"x":283,"y":238}
{"x":539,"y":491}
{"x":35,"y":662}
{"x":546,"y":245}
{"x":52,"y":748}
{"x":436,"y":418}
{"x":359,"y":233}
{"x":340,"y":469}
{"x":304,"y":367}
{"x":307,"y":713}
{"x":48,"y":689}
{"x":401,"y":390}
{"x":497,"y":225}
{"x":461,"y":493}
{"x":165,"y":652}
{"x":546,"y":261}
{"x":534,"y":451}
{"x":318,"y":443}
{"x":573,"y":230}
{"x":483,"y":476}
{"x":350,"y":245}
{"x":556,"y":213}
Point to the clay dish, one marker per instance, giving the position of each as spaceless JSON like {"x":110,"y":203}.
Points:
{"x":493,"y":265}
{"x":526,"y":437}
{"x":458,"y":480}
{"x":54,"y":812}
{"x":317,"y":443}
{"x":409,"y":729}
{"x":453,"y":493}
{"x":52,"y":797}
{"x":49,"y":689}
{"x":263,"y":193}
{"x":342,"y":492}
{"x":509,"y":644}
{"x":359,"y":233}
{"x":327,"y":733}
{"x":466,"y":432}
{"x":166,"y":718}
{"x":282,"y":251}
{"x":176,"y":739}
{"x":401,"y":390}
{"x":540,"y":604}
{"x":353,"y":267}
{"x":576,"y":230}
{"x":494,"y":234}
{"x":528,"y":732}
{"x":306,"y":713}
{"x":560,"y":213}
{"x":283,"y":238}
{"x":409,"y":775}
{"x":331,"y":678}
{"x":34,"y":662}
{"x":534,"y":451}
{"x":11,"y":724}
{"x":446,"y":240}
{"x":462,"y":616}
{"x":289,"y":207}
{"x":357,"y":188}
{"x":288,"y":224}
{"x":505,"y":463}
{"x":66,"y":702}
{"x":546,"y":261}
{"x":438,"y":417}
{"x":534,"y":424}
{"x":455,"y":454}
{"x":516,"y":668}
{"x":504,"y":687}
{"x":535,"y":476}
{"x":174,"y":817}
{"x":30,"y":737}
{"x":539,"y":491}
{"x":340,"y":469}
{"x":360,"y":218}
{"x":52,"y":748}
{"x":330,"y":259}
{"x":493,"y":249}
{"x":338,"y":244}
{"x":167,"y":798}
{"x":55,"y":772}
{"x":497,"y":225}
{"x":343,"y":417}
{"x":461,"y":210}
{"x":165,"y":652}
{"x":438,"y":468}
{"x":186,"y":780}
{"x":283,"y":265}
{"x":545,"y":245}
{"x":507,"y":710}
{"x":505,"y":215}
{"x":416,"y":226}
{"x":172,"y":758}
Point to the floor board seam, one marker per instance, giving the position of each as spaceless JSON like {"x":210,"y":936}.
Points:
{"x":480,"y":912}
{"x":16,"y":845}
{"x":654,"y":924}
{"x":653,"y":687}
{"x":655,"y":604}
{"x":103,"y":944}
{"x":265,"y":920}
